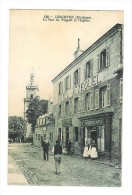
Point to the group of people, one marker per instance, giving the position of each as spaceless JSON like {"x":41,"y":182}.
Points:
{"x":90,"y":150}
{"x":57,"y":153}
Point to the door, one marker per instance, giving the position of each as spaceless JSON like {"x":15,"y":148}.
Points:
{"x":94,"y":135}
{"x":67,"y":135}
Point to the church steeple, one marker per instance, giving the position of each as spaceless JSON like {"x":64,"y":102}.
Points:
{"x":78,"y":52}
{"x":31,"y":92}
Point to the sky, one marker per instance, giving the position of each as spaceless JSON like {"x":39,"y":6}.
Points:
{"x":47,"y":47}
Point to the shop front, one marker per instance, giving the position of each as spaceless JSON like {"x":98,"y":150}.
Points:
{"x":97,"y":128}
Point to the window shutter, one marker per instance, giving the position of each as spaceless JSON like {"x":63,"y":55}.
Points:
{"x":97,"y":99}
{"x":98,"y":63}
{"x":108,"y":95}
{"x":79,"y":75}
{"x":64,"y":109}
{"x":73,"y":79}
{"x":70,"y":107}
{"x":91,"y":100}
{"x":69,"y":81}
{"x":121,"y":90}
{"x":84,"y":70}
{"x":83,"y":103}
{"x":91,"y":68}
{"x":107,"y":57}
{"x":62,"y":87}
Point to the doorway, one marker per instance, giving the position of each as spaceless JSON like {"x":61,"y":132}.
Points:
{"x":94,"y":135}
{"x":67,"y":135}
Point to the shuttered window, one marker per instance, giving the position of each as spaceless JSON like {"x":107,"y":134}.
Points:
{"x":103,"y":59}
{"x":121,"y":90}
{"x":60,"y":88}
{"x":108,"y":95}
{"x":96,"y":98}
{"x":87,"y":101}
{"x":91,"y":100}
{"x":76,"y":77}
{"x":89,"y":69}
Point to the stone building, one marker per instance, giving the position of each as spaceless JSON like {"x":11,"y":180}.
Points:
{"x":87,"y":97}
{"x":45,"y":128}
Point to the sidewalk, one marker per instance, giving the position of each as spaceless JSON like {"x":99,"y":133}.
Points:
{"x":15,"y":176}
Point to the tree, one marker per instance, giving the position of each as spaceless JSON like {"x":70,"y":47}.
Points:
{"x":36,"y":108}
{"x":16,"y":127}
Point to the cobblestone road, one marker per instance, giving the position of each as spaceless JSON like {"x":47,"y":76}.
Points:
{"x":75,"y":171}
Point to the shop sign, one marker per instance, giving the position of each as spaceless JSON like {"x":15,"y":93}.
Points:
{"x":67,"y":122}
{"x":94,"y":122}
{"x":90,"y":82}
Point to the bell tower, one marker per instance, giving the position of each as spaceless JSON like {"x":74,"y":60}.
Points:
{"x":31,"y":92}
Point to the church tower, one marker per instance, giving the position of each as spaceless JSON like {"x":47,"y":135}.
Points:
{"x":31,"y":92}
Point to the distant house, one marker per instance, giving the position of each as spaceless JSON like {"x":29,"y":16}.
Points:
{"x":45,"y":128}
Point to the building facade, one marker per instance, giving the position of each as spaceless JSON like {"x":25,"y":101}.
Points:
{"x":45,"y":128}
{"x":87,"y":97}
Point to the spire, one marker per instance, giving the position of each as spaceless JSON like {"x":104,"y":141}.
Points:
{"x":78,"y":52}
{"x":31,"y":78}
{"x":78,"y":44}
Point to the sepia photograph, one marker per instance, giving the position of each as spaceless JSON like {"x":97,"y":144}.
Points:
{"x":66,"y":77}
{"x":65,"y":98}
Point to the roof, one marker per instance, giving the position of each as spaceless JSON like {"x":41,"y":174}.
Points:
{"x":89,"y":50}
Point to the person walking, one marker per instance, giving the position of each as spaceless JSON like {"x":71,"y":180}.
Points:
{"x":69,"y":144}
{"x":45,"y":145}
{"x":57,"y":156}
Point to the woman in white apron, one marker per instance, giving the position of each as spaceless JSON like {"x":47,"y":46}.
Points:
{"x":94,"y":153}
{"x":87,"y":151}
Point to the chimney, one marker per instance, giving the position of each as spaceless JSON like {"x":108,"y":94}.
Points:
{"x":78,"y":52}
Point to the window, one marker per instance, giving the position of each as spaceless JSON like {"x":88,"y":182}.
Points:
{"x":76,"y":134}
{"x":89,"y":69}
{"x":67,"y":108}
{"x":39,"y":137}
{"x":101,"y":139}
{"x":59,"y":111}
{"x":105,"y":96}
{"x":36,"y":136}
{"x":76,"y":77}
{"x":31,"y":96}
{"x":121,"y":90}
{"x":103,"y":59}
{"x":91,"y":100}
{"x":60,"y":88}
{"x":67,"y":83}
{"x":96,"y":99}
{"x":87,"y":101}
{"x":75,"y":105}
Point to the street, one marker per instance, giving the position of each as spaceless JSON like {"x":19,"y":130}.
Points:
{"x":75,"y":171}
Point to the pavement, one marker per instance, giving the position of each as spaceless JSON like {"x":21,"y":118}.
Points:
{"x":15,"y":176}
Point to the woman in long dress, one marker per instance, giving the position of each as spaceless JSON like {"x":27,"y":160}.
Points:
{"x":86,"y":152}
{"x":94,"y":153}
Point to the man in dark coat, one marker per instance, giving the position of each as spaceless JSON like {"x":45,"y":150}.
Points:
{"x":45,"y":145}
{"x":57,"y":156}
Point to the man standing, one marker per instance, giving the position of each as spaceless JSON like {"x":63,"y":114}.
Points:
{"x":45,"y":145}
{"x":57,"y":156}
{"x":69,"y":146}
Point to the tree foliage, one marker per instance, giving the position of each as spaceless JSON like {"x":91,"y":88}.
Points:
{"x":36,"y":108}
{"x":16,"y":126}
